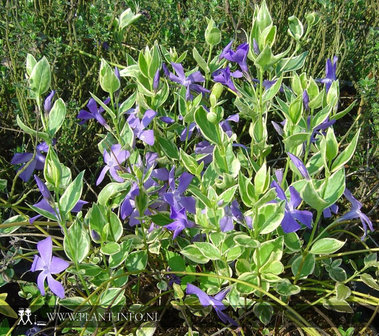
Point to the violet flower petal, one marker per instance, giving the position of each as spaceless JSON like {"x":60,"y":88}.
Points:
{"x":300,"y":166}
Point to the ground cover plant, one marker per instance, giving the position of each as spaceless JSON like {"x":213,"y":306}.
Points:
{"x":223,"y":197}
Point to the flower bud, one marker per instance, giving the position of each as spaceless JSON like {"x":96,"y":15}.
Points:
{"x":49,"y":102}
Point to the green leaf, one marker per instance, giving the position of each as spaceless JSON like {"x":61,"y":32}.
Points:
{"x":347,"y":154}
{"x":249,"y":277}
{"x":111,"y":190}
{"x":246,"y":241}
{"x":291,"y":64}
{"x":264,"y":311}
{"x":285,"y":288}
{"x":146,"y":329}
{"x":338,"y":305}
{"x":341,"y":114}
{"x":308,"y":266}
{"x":76,"y":242}
{"x":110,"y":248}
{"x":269,"y":251}
{"x":201,"y":197}
{"x":136,"y":261}
{"x":369,"y":281}
{"x":261,"y":179}
{"x":13,"y":219}
{"x":161,"y":219}
{"x":56,"y":117}
{"x":112,"y":297}
{"x":265,"y":59}
{"x":73,"y":303}
{"x":295,"y":110}
{"x":3,"y":184}
{"x":142,"y":63}
{"x":371,"y":260}
{"x":105,"y":107}
{"x":116,"y":259}
{"x":331,"y":144}
{"x":200,"y":60}
{"x":193,"y":253}
{"x":40,"y":78}
{"x":126,"y":18}
{"x":32,"y":132}
{"x":333,"y":187}
{"x":30,"y":63}
{"x":310,"y":196}
{"x":228,"y":195}
{"x":342,"y":291}
{"x":243,"y":185}
{"x":168,"y":147}
{"x":210,"y":131}
{"x":189,"y":162}
{"x":296,"y":29}
{"x":53,"y":168}
{"x":208,"y":250}
{"x":269,"y":217}
{"x":113,"y":229}
{"x":130,"y":71}
{"x":292,"y":241}
{"x":175,"y":261}
{"x":71,"y":195}
{"x":5,"y":308}
{"x":273,"y":90}
{"x":326,"y":246}
{"x":337,"y":274}
{"x":97,"y":220}
{"x":234,"y":253}
{"x":107,"y":78}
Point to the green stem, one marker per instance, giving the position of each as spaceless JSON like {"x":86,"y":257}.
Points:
{"x":305,"y":253}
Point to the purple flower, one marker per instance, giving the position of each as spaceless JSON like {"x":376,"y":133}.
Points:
{"x":44,"y":190}
{"x":156,"y":79}
{"x":48,"y":102}
{"x":306,"y":100}
{"x":128,"y":206}
{"x":232,"y":213}
{"x":139,"y":126}
{"x":223,"y":76}
{"x":45,"y":205}
{"x":180,"y":221}
{"x":330,"y":70}
{"x":320,"y":127}
{"x":327,"y":213}
{"x":117,"y":73}
{"x":37,"y":164}
{"x":267,"y":83}
{"x":48,"y":264}
{"x":188,"y":82}
{"x":175,"y":196}
{"x":187,"y":132}
{"x":167,"y":120}
{"x":300,"y":166}
{"x":356,"y":212}
{"x":113,"y":161}
{"x":206,"y":149}
{"x":291,"y":215}
{"x":215,"y":301}
{"x":94,"y":113}
{"x":225,"y":125}
{"x":278,"y":129}
{"x":239,"y":56}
